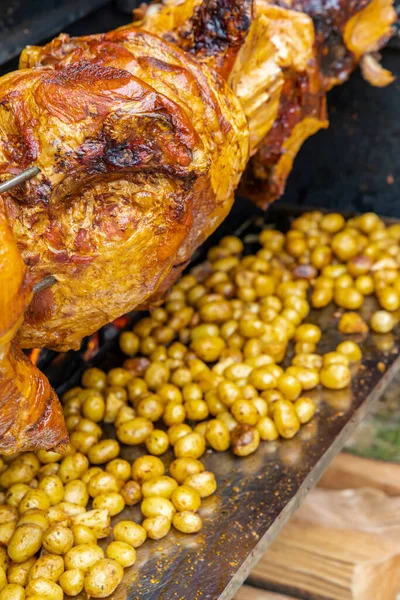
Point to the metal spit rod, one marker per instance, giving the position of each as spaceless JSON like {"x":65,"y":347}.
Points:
{"x":8,"y":185}
{"x":21,"y":178}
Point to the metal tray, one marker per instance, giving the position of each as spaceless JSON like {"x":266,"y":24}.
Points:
{"x":258,"y":494}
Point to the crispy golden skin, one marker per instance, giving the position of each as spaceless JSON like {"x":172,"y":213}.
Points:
{"x":30,"y":414}
{"x":140,"y":149}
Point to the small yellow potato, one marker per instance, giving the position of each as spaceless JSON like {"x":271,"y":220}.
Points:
{"x":135,"y":431}
{"x":121,"y":469}
{"x":157,"y":506}
{"x":101,"y":483}
{"x":129,"y":532}
{"x":83,"y":557}
{"x":244,"y":412}
{"x":186,"y":498}
{"x":25,"y":542}
{"x":335,"y":377}
{"x":112,"y":501}
{"x":94,"y":378}
{"x":103,"y":578}
{"x":45,"y":589}
{"x":267,"y":429}
{"x":131,"y":492}
{"x":286,"y":419}
{"x":147,"y":467}
{"x":47,"y":470}
{"x":289,"y":386}
{"x":48,"y":566}
{"x":191,"y":445}
{"x":351,"y":350}
{"x":13,"y":591}
{"x":245,"y":440}
{"x":187,"y":522}
{"x":305,"y":409}
{"x":88,"y":426}
{"x":16,"y":493}
{"x":48,"y":456}
{"x":83,"y":535}
{"x":217,"y":435}
{"x":58,"y":539}
{"x":122,"y":553}
{"x":204,"y":483}
{"x":98,"y":520}
{"x":73,"y":467}
{"x":17,"y":472}
{"x":157,"y":527}
{"x":76,"y":492}
{"x":381,"y":322}
{"x":72,"y":582}
{"x":181,"y":468}
{"x":174,"y":413}
{"x":34,"y":499}
{"x":160,"y":486}
{"x":53,"y":487}
{"x":157,"y":442}
{"x":82,"y":441}
{"x":103,"y":452}
{"x":19,"y":572}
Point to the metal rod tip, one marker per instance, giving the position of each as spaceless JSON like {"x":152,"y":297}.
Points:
{"x":18,"y":179}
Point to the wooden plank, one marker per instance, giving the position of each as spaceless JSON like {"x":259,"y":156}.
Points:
{"x":323,"y":562}
{"x":348,"y":471}
{"x":248,"y":592}
{"x":367,"y":509}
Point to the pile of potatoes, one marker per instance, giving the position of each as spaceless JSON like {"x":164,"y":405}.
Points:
{"x":203,"y":372}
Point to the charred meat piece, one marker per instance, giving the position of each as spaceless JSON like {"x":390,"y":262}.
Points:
{"x":346,"y":33}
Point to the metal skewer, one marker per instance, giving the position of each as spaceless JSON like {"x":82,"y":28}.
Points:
{"x":44,"y":283}
{"x":8,"y":185}
{"x":21,"y":178}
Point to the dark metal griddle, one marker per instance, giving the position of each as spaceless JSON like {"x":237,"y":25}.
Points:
{"x":258,"y":494}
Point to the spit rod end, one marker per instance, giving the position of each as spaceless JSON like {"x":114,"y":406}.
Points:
{"x":44,"y":283}
{"x":18,"y":179}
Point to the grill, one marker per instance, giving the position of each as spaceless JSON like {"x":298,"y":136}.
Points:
{"x":351,"y":166}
